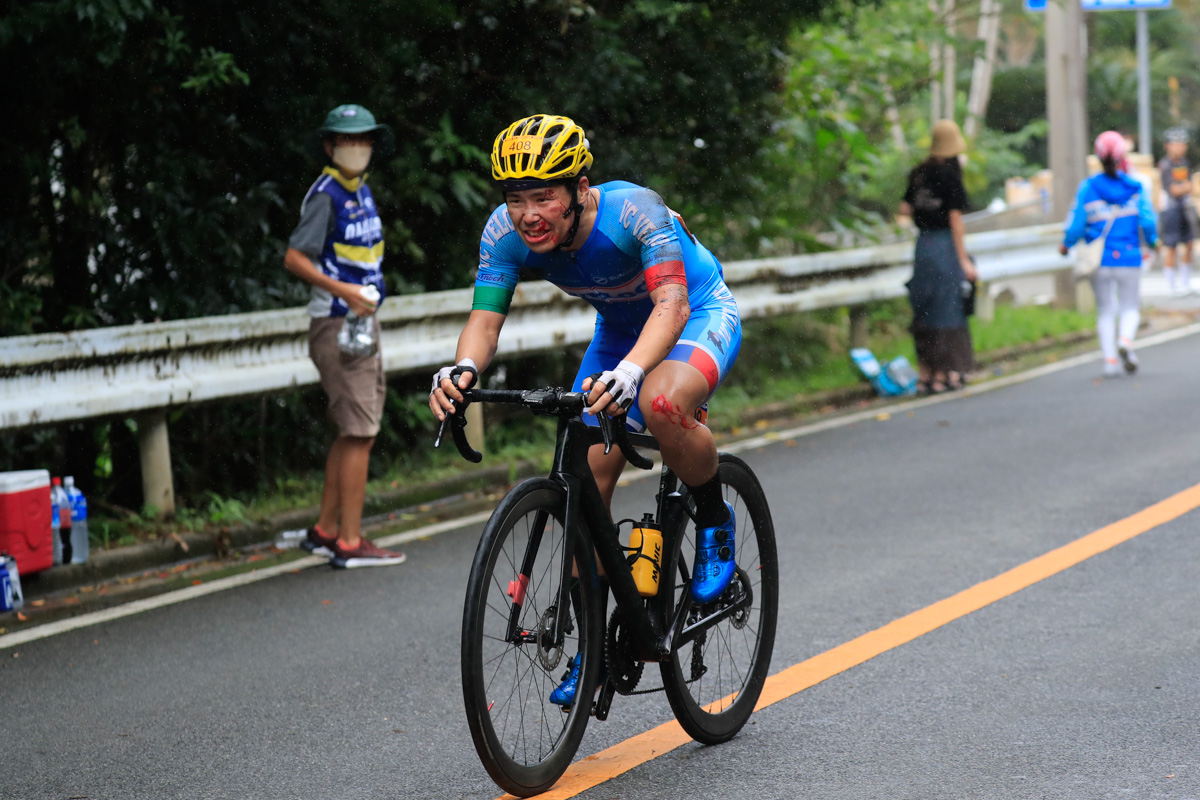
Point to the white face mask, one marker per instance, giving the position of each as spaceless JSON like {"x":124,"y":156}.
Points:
{"x":352,"y":158}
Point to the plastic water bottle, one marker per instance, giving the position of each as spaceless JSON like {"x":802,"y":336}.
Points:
{"x":13,"y":595}
{"x":357,"y":336}
{"x":6,"y":592}
{"x":59,"y":497}
{"x":80,"y":547}
{"x":55,"y":539}
{"x":646,"y":540}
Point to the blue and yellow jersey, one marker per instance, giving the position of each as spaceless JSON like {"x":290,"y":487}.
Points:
{"x":353,"y":251}
{"x":636,"y":244}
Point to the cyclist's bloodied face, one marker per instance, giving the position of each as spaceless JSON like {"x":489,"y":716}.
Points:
{"x":541,"y":216}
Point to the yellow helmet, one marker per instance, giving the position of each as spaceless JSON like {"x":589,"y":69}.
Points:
{"x":539,"y":150}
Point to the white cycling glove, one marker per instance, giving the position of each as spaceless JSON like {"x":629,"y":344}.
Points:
{"x":622,"y":382}
{"x":464,"y":365}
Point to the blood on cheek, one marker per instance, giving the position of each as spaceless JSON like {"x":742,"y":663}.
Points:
{"x":673,"y":413}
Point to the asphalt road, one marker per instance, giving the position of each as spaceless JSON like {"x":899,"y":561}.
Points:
{"x":323,"y":684}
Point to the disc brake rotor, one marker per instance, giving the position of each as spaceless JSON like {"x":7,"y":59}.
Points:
{"x":549,"y":654}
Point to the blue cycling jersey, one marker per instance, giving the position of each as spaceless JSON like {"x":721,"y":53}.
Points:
{"x":635,"y":239}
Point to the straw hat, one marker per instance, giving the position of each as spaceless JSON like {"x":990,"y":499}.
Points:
{"x":947,"y":140}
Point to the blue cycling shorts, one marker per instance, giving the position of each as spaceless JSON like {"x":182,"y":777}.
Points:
{"x":710,"y":342}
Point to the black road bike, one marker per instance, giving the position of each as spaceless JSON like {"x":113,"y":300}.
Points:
{"x":533,"y":601}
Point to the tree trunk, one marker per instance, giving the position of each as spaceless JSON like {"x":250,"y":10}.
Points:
{"x":985,"y":64}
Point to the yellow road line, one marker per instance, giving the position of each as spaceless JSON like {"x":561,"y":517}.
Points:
{"x":621,"y":758}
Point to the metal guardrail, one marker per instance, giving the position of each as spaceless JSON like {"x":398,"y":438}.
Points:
{"x":56,"y":377}
{"x":144,"y":369}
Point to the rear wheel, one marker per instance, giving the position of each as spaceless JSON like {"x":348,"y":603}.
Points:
{"x":513,"y":651}
{"x":714,"y":680}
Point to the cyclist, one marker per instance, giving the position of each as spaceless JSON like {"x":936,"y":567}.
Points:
{"x":667,"y":327}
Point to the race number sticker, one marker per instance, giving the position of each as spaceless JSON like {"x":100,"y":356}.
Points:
{"x":522,"y":145}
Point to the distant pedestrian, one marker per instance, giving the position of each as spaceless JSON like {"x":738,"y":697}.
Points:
{"x":1112,"y":200}
{"x":338,"y":249}
{"x":1177,"y":223}
{"x":935,"y":199}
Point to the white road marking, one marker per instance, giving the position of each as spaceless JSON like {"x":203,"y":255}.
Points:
{"x":773,"y":437}
{"x":222,"y":584}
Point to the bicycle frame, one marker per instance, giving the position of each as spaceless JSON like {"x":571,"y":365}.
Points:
{"x":651,"y":638}
{"x":586,"y":511}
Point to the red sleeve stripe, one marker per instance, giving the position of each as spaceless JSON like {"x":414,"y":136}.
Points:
{"x":665,"y":273}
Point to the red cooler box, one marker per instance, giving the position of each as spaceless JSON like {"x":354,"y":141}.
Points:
{"x":25,"y":531}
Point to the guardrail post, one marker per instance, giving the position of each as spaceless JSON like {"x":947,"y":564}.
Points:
{"x":1085,"y":299}
{"x":475,"y":429}
{"x":154,"y":448}
{"x":1065,"y":285}
{"x":858,"y":326}
{"x":985,"y":304}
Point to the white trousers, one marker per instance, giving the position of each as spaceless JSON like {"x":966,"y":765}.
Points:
{"x":1118,"y":299}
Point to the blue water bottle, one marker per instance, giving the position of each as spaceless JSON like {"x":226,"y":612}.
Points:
{"x":6,"y":592}
{"x":55,"y":532}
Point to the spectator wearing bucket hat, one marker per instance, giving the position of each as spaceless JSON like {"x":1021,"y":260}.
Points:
{"x":1177,"y":222}
{"x":935,"y":199}
{"x":338,"y":249}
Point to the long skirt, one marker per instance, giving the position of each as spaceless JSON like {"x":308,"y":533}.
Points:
{"x":939,"y":326}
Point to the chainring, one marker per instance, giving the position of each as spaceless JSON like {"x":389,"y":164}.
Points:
{"x":623,"y":669}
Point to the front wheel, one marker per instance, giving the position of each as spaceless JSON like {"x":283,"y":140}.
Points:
{"x":516,"y":645}
{"x":714,"y":680}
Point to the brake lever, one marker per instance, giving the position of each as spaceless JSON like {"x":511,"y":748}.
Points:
{"x":458,"y":422}
{"x":606,"y":430}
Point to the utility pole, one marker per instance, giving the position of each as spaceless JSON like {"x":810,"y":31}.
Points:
{"x":1143,"y":68}
{"x":1066,"y":92}
{"x":1066,"y":112}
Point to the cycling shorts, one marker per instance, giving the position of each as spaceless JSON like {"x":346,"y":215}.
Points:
{"x":710,"y":342}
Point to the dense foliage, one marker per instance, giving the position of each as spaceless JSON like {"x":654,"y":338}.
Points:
{"x":159,"y":151}
{"x":157,"y":162}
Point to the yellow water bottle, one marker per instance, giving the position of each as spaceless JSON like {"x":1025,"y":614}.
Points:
{"x":646,"y":541}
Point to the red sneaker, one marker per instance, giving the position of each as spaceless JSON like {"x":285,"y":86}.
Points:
{"x":365,"y":555}
{"x":318,"y":543}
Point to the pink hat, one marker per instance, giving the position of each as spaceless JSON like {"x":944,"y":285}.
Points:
{"x":1110,"y":145}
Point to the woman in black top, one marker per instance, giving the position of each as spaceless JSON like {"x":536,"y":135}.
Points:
{"x":935,"y":200}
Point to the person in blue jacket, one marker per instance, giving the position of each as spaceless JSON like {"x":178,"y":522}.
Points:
{"x":1113,"y":195}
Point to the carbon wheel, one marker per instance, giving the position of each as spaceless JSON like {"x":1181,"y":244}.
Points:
{"x":714,"y":681}
{"x":513,"y":652}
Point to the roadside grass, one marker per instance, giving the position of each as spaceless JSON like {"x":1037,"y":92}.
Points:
{"x":783,"y":359}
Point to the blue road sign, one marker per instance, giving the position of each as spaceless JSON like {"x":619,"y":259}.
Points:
{"x":1105,"y":5}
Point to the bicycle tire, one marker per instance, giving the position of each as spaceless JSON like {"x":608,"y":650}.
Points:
{"x":524,"y":741}
{"x":714,"y":705}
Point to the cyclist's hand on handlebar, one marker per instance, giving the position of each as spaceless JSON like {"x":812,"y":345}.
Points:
{"x":613,"y":391}
{"x":448,"y":383}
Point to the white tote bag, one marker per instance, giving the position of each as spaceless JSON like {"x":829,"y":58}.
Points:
{"x":1089,"y":254}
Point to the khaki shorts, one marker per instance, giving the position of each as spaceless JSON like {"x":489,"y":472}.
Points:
{"x":355,"y":385}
